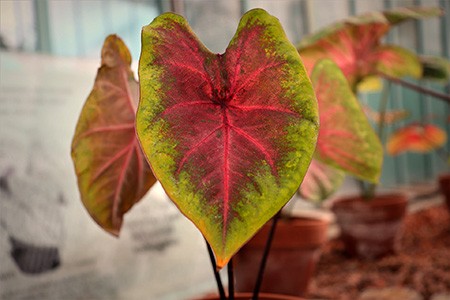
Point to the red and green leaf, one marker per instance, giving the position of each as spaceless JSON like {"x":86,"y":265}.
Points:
{"x":352,"y":48}
{"x":402,"y":14}
{"x":416,"y":138}
{"x":355,"y":45}
{"x":230,"y":136}
{"x":320,"y":182}
{"x":112,"y":171}
{"x":346,"y":139}
{"x":395,"y":62}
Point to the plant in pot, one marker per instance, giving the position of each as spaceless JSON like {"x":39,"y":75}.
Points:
{"x":347,"y":143}
{"x":370,"y":223}
{"x":229,"y":136}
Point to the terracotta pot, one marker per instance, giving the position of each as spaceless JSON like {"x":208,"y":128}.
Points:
{"x":292,"y":259}
{"x":371,"y":229}
{"x":262,"y":296}
{"x":444,"y":184}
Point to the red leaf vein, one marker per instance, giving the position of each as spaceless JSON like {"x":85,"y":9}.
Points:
{"x":258,"y":145}
{"x":195,"y":147}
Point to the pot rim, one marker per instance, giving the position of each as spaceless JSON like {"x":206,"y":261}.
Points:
{"x":383,"y":199}
{"x":248,"y":296}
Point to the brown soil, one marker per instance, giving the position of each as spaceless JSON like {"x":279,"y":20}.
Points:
{"x":423,"y":264}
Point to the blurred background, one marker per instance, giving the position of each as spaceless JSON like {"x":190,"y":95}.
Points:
{"x":66,"y":28}
{"x":50,"y":52}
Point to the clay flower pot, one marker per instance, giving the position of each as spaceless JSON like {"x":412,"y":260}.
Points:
{"x":262,"y":296}
{"x":444,"y":184}
{"x":370,"y":228}
{"x":292,"y":259}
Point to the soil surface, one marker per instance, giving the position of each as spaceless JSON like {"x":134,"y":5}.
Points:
{"x":421,"y":269}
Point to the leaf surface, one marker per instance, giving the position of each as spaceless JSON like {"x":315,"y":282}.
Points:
{"x":416,"y":138}
{"x":321,"y":181}
{"x":355,"y":45}
{"x":346,"y":139}
{"x":396,"y":62}
{"x":435,"y":68}
{"x":111,"y":169}
{"x":230,"y":136}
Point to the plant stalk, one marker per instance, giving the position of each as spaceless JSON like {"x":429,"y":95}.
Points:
{"x":262,"y":266}
{"x":177,"y":6}
{"x":418,"y":88}
{"x":216,"y":273}
{"x":230,"y":280}
{"x":370,"y":191}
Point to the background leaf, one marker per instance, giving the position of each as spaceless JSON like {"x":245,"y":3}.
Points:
{"x":435,"y":68}
{"x":229,"y":136}
{"x":320,"y":182}
{"x":346,"y":139}
{"x":390,"y":116}
{"x":354,"y":44}
{"x":396,"y":62}
{"x":417,"y":138}
{"x":111,"y":168}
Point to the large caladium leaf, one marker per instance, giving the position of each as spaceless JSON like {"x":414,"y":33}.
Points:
{"x":355,"y":45}
{"x":416,"y":138}
{"x":111,"y":168}
{"x":320,"y":182}
{"x":229,"y":136}
{"x":346,"y":138}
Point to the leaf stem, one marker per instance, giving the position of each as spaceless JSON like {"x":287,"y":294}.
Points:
{"x":177,"y":6}
{"x":417,"y":88}
{"x":262,"y":266}
{"x":230,"y":280}
{"x":216,"y":273}
{"x":370,"y":191}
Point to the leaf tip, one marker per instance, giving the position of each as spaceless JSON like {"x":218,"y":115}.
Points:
{"x":114,"y":51}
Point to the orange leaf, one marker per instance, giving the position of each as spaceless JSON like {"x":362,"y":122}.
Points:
{"x":416,"y":138}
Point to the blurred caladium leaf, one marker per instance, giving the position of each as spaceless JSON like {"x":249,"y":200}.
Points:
{"x":355,"y":45}
{"x":401,"y":14}
{"x":320,"y":182}
{"x":112,"y":171}
{"x":390,"y":116}
{"x":435,"y":68}
{"x":346,"y":139}
{"x":230,"y":136}
{"x":416,"y":138}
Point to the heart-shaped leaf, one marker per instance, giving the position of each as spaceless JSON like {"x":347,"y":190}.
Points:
{"x":346,"y":138}
{"x":229,"y":136}
{"x":111,"y":168}
{"x":355,"y":45}
{"x":320,"y":182}
{"x":417,"y":138}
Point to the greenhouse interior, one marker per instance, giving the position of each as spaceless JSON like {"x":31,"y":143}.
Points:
{"x":225,"y":149}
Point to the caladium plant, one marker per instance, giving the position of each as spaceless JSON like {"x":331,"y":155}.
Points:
{"x":355,"y":45}
{"x":229,"y":136}
{"x":112,"y":171}
{"x":346,"y":139}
